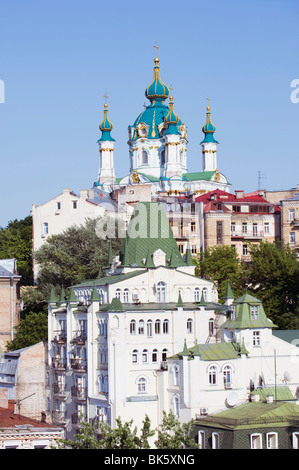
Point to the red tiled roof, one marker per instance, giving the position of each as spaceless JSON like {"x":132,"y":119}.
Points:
{"x":9,"y":419}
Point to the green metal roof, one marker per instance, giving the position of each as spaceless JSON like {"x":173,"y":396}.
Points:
{"x":243,"y":314}
{"x":212,"y":351}
{"x":104,"y":281}
{"x":281,"y":393}
{"x":252,"y":415}
{"x":148,"y":231}
{"x":199,"y":176}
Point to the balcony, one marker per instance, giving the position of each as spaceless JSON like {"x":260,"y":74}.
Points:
{"x":59,"y":417}
{"x":58,"y":363}
{"x":59,"y":390}
{"x":79,"y":338}
{"x":295,"y":223}
{"x":78,"y":364}
{"x":59,"y":337}
{"x":78,"y":418}
{"x":250,"y":234}
{"x":78,"y":392}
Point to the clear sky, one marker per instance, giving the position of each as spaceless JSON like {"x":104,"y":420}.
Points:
{"x":59,"y":58}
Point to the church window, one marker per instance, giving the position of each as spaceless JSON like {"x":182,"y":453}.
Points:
{"x":189,"y":325}
{"x":142,"y":385}
{"x":227,"y":376}
{"x":212,"y":375}
{"x":161,"y":291}
{"x":149,"y":328}
{"x":155,"y":355}
{"x":157,"y":327}
{"x":141,"y":327}
{"x":166,"y":326}
{"x":164,"y":355}
{"x":144,"y":157}
{"x":118,"y":293}
{"x":132,"y":327}
{"x":135,"y":356}
{"x":145,"y":356}
{"x":176,"y":406}
{"x":126,"y":296}
{"x":197,"y":294}
{"x":211,"y":326}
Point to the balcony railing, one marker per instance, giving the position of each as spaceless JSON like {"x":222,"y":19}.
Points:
{"x":58,"y":363}
{"x":59,"y":336}
{"x":59,"y":389}
{"x":256,"y":234}
{"x":77,"y":363}
{"x":59,"y":417}
{"x":79,"y":392}
{"x":80,"y":337}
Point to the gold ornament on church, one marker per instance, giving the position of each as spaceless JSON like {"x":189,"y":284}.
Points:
{"x":135,"y":177}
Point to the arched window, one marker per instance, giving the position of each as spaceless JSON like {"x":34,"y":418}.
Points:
{"x":175,"y":371}
{"x":141,"y":327}
{"x":133,"y":327}
{"x":161,"y":291}
{"x":101,"y":383}
{"x":189,"y":325}
{"x":227,"y":377}
{"x":155,"y":355}
{"x":106,"y":384}
{"x":157,"y":327}
{"x":211,"y":326}
{"x":149,"y":328}
{"x":135,"y":356}
{"x":145,"y":356}
{"x":166,"y":326}
{"x":176,"y":406}
{"x":205,"y":293}
{"x":142,"y":385}
{"x":144,"y":157}
{"x":164,"y":355}
{"x":212,"y":375}
{"x":197,"y":294}
{"x":118,"y":293}
{"x":126,"y":296}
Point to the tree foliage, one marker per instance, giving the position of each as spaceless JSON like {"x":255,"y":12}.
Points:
{"x":273,"y":277}
{"x":171,"y":435}
{"x":16,"y":242}
{"x":221,"y":263}
{"x":31,"y":330}
{"x":73,"y":255}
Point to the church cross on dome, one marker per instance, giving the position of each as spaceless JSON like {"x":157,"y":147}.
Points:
{"x":156,"y":47}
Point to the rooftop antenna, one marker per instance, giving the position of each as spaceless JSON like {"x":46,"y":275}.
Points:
{"x":18,"y":401}
{"x":260,"y":177}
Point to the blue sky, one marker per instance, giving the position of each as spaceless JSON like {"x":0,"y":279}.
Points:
{"x":58,"y":59}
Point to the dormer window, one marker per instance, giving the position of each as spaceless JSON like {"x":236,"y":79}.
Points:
{"x":254,"y":312}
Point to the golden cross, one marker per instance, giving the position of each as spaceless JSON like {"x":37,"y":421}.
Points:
{"x":105,"y":96}
{"x":156,"y":47}
{"x":170,"y":88}
{"x":208,"y":99}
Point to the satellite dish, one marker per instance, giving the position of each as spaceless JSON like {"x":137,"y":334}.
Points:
{"x":287,"y":377}
{"x":232,"y":399}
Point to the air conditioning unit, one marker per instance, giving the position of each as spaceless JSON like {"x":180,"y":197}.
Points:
{"x":203,"y":411}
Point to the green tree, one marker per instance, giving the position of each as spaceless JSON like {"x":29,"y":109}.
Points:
{"x":221,"y":263}
{"x":74,"y":255}
{"x":31,"y":330}
{"x":273,"y":277}
{"x":174,"y":435}
{"x":16,"y":242}
{"x":123,"y":436}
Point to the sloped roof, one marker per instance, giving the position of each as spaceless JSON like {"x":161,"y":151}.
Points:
{"x":148,"y":231}
{"x":212,"y":351}
{"x":8,"y":419}
{"x":243,"y":314}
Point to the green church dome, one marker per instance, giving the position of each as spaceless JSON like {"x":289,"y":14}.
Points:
{"x":208,"y":129}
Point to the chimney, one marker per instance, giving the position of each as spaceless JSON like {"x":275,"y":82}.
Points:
{"x":11,"y":405}
{"x":239,"y":193}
